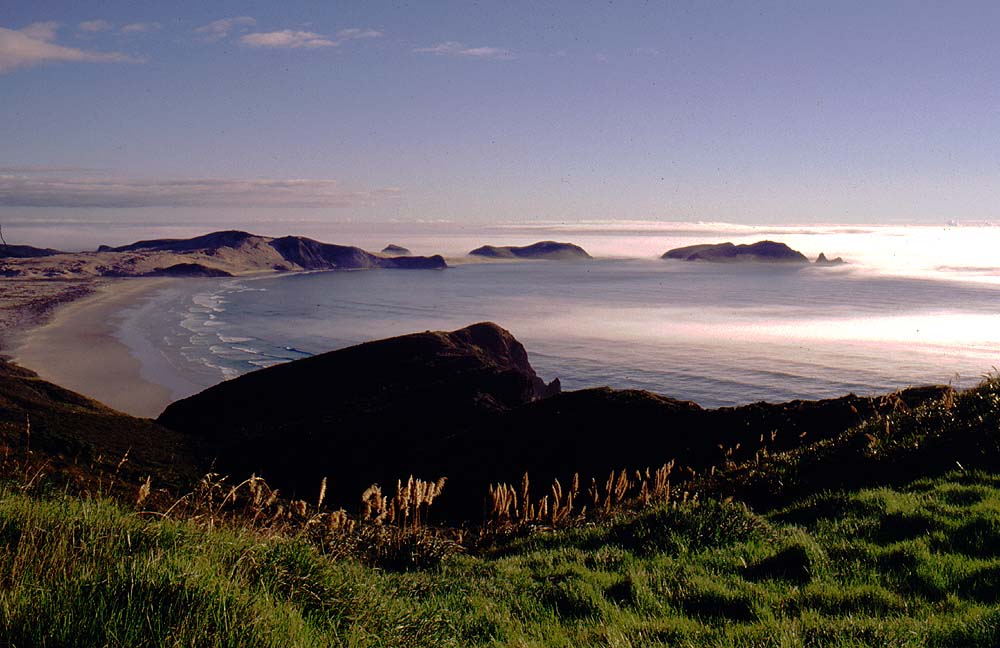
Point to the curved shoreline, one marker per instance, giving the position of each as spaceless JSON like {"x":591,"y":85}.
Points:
{"x":78,"y":349}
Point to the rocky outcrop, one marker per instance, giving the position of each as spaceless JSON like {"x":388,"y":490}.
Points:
{"x":821,"y":260}
{"x":761,"y":251}
{"x":550,"y":250}
{"x":395,"y":250}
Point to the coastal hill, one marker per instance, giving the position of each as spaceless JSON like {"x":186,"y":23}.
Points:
{"x":761,"y":251}
{"x":217,"y":254}
{"x":467,"y":405}
{"x":25,"y":252}
{"x":550,"y":250}
{"x":371,"y":413}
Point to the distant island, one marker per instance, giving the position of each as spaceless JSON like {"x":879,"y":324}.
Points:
{"x":219,"y":254}
{"x":759,"y":252}
{"x":550,"y":250}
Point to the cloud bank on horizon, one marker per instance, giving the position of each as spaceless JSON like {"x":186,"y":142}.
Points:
{"x":82,"y":188}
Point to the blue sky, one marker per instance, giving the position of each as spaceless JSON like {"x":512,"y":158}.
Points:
{"x":495,"y":112}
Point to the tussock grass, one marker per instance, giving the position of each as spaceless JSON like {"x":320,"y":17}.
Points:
{"x":876,"y":558}
{"x":93,"y":573}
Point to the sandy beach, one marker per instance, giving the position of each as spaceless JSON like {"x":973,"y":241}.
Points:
{"x":77,"y":349}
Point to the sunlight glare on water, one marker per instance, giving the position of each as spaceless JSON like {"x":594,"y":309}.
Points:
{"x":717,"y":334}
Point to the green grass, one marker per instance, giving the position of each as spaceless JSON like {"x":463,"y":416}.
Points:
{"x":917,"y":565}
{"x":886,"y":536}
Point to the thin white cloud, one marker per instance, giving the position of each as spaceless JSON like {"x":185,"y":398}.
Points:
{"x":33,"y":189}
{"x":454,"y":48}
{"x":43,"y":31}
{"x":139,"y":27}
{"x":357,"y":33}
{"x":33,"y":46}
{"x":94,"y":26}
{"x":219,"y":29}
{"x":287,"y":39}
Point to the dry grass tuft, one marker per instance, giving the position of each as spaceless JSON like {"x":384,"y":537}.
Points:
{"x":507,"y":507}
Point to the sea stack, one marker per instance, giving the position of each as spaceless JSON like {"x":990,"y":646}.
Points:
{"x":823,"y":261}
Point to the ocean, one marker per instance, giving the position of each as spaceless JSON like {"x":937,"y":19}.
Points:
{"x":914,"y":305}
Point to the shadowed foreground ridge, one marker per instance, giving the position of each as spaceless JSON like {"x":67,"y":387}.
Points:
{"x":467,"y":405}
{"x":370,"y":413}
{"x":883,"y":533}
{"x":76,"y":437}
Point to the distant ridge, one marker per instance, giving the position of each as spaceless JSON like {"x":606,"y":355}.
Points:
{"x":212,"y":241}
{"x":217,"y":254}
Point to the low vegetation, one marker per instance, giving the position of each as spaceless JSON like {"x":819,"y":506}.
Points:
{"x":903,"y":550}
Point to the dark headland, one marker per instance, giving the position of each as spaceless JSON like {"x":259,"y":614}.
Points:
{"x":466,"y":405}
{"x":550,"y":250}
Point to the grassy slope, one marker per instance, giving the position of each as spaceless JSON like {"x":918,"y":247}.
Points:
{"x":890,"y":544}
{"x":76,"y":437}
{"x":914,"y":566}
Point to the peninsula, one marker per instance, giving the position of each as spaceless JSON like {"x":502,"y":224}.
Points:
{"x":218,"y":254}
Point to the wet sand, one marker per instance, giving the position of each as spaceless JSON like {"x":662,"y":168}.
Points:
{"x":77,"y":349}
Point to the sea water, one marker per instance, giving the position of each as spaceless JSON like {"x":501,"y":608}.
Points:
{"x":914,"y":306}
